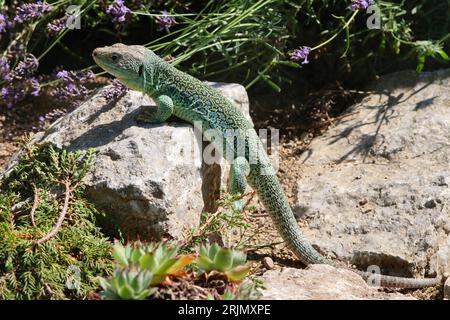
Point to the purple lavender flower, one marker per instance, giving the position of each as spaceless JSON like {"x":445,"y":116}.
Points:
{"x":4,"y":96}
{"x":75,"y":76}
{"x":118,"y":10}
{"x":118,"y":89}
{"x":12,"y":94}
{"x":26,"y":67}
{"x":57,"y":25}
{"x":301,"y":53}
{"x":64,"y":74}
{"x":84,"y":76}
{"x":16,"y":91}
{"x":4,"y":70}
{"x":4,"y":93}
{"x":360,"y":4}
{"x":165,"y":21}
{"x":35,"y":87}
{"x":69,"y":93}
{"x":51,"y":116}
{"x":76,"y":90}
{"x":29,"y":11}
{"x":2,"y":22}
{"x":20,"y":81}
{"x":72,"y":87}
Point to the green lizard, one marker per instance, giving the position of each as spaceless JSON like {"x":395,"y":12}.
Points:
{"x":177,"y":93}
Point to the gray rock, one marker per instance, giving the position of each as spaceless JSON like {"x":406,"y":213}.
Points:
{"x":149,"y":179}
{"x":321,"y":282}
{"x":375,"y":189}
{"x":447,"y":289}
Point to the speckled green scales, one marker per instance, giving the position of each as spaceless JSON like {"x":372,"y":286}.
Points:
{"x":195,"y":101}
{"x":188,"y":98}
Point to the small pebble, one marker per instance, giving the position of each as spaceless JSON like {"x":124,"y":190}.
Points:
{"x":362,"y":202}
{"x":430,"y":204}
{"x":268,"y":263}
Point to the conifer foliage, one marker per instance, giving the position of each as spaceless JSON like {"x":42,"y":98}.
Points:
{"x":50,"y":247}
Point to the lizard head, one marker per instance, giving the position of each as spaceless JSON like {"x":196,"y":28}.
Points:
{"x":130,"y":64}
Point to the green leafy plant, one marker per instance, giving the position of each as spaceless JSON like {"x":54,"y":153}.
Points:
{"x":128,"y":285}
{"x":222,"y":221}
{"x":141,"y":266}
{"x":146,"y":270}
{"x":163,"y":261}
{"x":65,"y":264}
{"x":247,"y":290}
{"x":228,"y":261}
{"x":225,"y":40}
{"x":128,"y":256}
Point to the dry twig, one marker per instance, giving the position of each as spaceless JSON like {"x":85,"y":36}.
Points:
{"x":35,"y":205}
{"x":61,"y":217}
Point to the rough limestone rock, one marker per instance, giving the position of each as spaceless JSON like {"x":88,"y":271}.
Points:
{"x":375,"y":189}
{"x":321,"y":282}
{"x":149,"y":179}
{"x":447,"y":289}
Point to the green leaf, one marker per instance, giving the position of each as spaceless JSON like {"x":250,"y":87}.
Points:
{"x":125,"y":292}
{"x":272,"y":84}
{"x":443,"y":54}
{"x":204,"y":263}
{"x":147,"y":262}
{"x":213,"y":249}
{"x":239,"y":258}
{"x":144,"y":294}
{"x":143,"y":279}
{"x":180,"y":263}
{"x":223,"y":260}
{"x":238,"y":274}
{"x":203,"y":251}
{"x":420,"y":64}
{"x":291,"y":64}
{"x":119,"y":279}
{"x":164,"y":267}
{"x":136,"y":254}
{"x":120,"y":254}
{"x":157,"y":279}
{"x":104,"y":283}
{"x":228,"y":295}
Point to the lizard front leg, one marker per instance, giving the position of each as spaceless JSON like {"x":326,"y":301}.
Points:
{"x":164,"y":110}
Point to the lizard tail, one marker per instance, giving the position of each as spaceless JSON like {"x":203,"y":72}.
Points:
{"x":274,"y":199}
{"x":272,"y":196}
{"x":382,"y":280}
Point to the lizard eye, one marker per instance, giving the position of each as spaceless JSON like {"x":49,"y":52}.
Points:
{"x":114,"y":57}
{"x":141,"y":70}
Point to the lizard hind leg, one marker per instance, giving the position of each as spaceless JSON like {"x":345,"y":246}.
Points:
{"x":239,"y":171}
{"x":163,"y":112}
